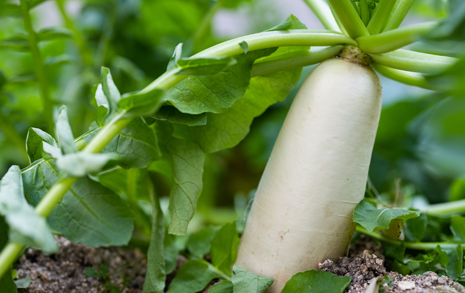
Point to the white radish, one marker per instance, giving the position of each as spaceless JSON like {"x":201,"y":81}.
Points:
{"x":316,"y":175}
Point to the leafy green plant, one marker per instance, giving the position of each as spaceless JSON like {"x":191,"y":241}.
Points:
{"x":96,"y":188}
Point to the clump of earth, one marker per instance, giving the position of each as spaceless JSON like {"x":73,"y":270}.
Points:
{"x":80,"y":269}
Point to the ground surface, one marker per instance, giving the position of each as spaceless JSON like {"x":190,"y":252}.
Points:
{"x":65,"y":271}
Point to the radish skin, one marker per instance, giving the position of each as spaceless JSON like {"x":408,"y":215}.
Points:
{"x":316,"y":175}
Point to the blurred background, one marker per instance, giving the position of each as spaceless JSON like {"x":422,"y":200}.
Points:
{"x":419,"y":154}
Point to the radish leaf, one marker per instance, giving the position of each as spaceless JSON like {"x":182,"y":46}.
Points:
{"x":177,"y":54}
{"x":81,"y":164}
{"x":26,"y":227}
{"x":215,"y":93}
{"x":248,"y":282}
{"x":110,"y":90}
{"x":316,"y":282}
{"x":34,"y":143}
{"x":103,"y":106}
{"x":64,"y":133}
{"x":172,"y":115}
{"x":136,"y":145}
{"x":458,"y":228}
{"x":199,"y":243}
{"x":224,"y":247}
{"x":291,"y":22}
{"x":371,"y":218}
{"x":455,"y":266}
{"x":54,"y":33}
{"x":223,"y":287}
{"x":229,"y":128}
{"x":193,"y":276}
{"x":88,"y":213}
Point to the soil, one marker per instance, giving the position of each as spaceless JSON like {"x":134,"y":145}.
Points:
{"x":123,"y":270}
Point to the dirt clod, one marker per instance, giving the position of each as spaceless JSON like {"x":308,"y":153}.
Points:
{"x":65,"y":271}
{"x":365,"y":266}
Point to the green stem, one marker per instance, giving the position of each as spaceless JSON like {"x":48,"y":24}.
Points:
{"x":381,"y":16}
{"x":324,"y":14}
{"x":84,"y":49}
{"x":294,"y":60}
{"x":200,"y":33}
{"x":392,"y":40}
{"x":399,"y":14}
{"x":349,"y":18}
{"x":364,"y":12}
{"x":166,"y":81}
{"x":414,"y":61}
{"x":409,"y":245}
{"x":8,"y":256}
{"x":39,"y":66}
{"x":12,"y":135}
{"x":105,"y":38}
{"x":447,"y":208}
{"x":410,"y":78}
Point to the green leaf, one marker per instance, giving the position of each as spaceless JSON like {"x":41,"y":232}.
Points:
{"x":455,"y":267}
{"x":26,"y":227}
{"x":23,"y":283}
{"x":199,"y":243}
{"x":141,"y":104}
{"x":457,"y":226}
{"x":177,"y":54}
{"x":204,"y":66}
{"x":56,"y":61}
{"x":88,"y":213}
{"x":81,"y":164}
{"x":290,"y":23}
{"x":193,"y":276}
{"x":224,"y":248}
{"x":34,"y":143}
{"x":110,"y":90}
{"x":172,"y":115}
{"x":17,"y":43}
{"x":394,"y":251}
{"x":64,"y":133}
{"x":187,"y":160}
{"x":316,"y":282}
{"x":246,"y":282}
{"x":199,"y":94}
{"x":54,"y":33}
{"x":415,"y":228}
{"x":457,"y":190}
{"x":155,"y":277}
{"x":223,"y":287}
{"x":229,"y":128}
{"x":244,"y":46}
{"x":10,"y":9}
{"x":173,"y":245}
{"x":103,"y":106}
{"x":136,"y":145}
{"x":371,"y":218}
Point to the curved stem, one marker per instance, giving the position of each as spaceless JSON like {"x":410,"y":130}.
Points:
{"x":276,"y":39}
{"x":414,"y":61}
{"x":324,"y":14}
{"x":447,"y":208}
{"x":410,"y":78}
{"x":364,"y":12}
{"x":399,"y":14}
{"x":409,"y":245}
{"x":349,"y":18}
{"x":293,"y":60}
{"x":392,"y":40}
{"x":39,"y":66}
{"x":381,"y":16}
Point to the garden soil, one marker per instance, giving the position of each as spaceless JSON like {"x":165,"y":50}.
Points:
{"x":124,"y":269}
